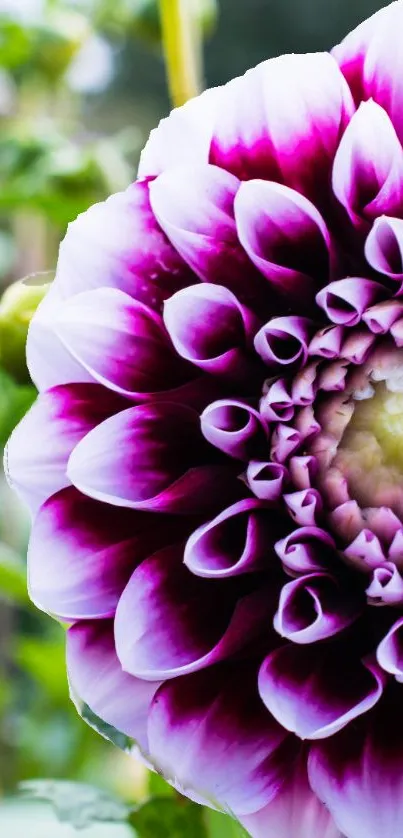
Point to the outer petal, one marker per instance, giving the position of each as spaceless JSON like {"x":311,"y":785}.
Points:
{"x":122,"y":343}
{"x":39,"y":448}
{"x":97,"y":678}
{"x":152,"y":457}
{"x":182,"y":137}
{"x":211,"y":732}
{"x":371,"y":59}
{"x":115,"y":244}
{"x":283,"y":121}
{"x":119,"y":244}
{"x":295,"y":812}
{"x":49,"y":362}
{"x":180,"y":623}
{"x":368,"y":167}
{"x":83,"y":552}
{"x":359,"y":773}
{"x":195,"y":207}
{"x":315,"y":691}
{"x":285,"y":237}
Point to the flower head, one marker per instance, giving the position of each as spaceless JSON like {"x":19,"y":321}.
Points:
{"x":215,"y":458}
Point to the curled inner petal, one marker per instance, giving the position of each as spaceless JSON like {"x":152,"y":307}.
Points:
{"x":314,"y":607}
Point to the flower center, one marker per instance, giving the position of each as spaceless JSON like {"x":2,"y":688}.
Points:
{"x":370,"y":454}
{"x":380,"y":417}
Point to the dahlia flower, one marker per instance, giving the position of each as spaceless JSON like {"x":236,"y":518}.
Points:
{"x":214,"y":462}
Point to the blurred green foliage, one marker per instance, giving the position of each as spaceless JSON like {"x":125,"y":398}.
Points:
{"x":141,"y":18}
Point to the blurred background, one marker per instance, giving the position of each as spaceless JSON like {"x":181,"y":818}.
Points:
{"x":82,"y":82}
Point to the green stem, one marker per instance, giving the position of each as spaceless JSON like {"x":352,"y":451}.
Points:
{"x":182,"y":49}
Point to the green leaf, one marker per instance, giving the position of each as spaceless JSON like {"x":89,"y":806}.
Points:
{"x":15,"y":400}
{"x":158,"y":787}
{"x":44,"y":660}
{"x":15,"y":43}
{"x":223,"y":826}
{"x":76,"y":803}
{"x":107,"y":731}
{"x":13,"y":577}
{"x":8,"y":253}
{"x":164,"y":817}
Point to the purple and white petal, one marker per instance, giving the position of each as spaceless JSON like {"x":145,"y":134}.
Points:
{"x":384,"y":247}
{"x":368,"y":167}
{"x":285,"y":440}
{"x":357,"y":345}
{"x":305,"y":506}
{"x":315,"y":607}
{"x":235,"y":428}
{"x":327,"y":342}
{"x":295,"y":812}
{"x":39,"y":449}
{"x":180,"y":622}
{"x":358,"y":774}
{"x":153,"y":457}
{"x":390,"y":651}
{"x":306,"y":550}
{"x":238,"y":540}
{"x":114,"y":244}
{"x":266,"y":480}
{"x":386,"y":586}
{"x":194,"y":205}
{"x":277,"y":405}
{"x":119,"y":244}
{"x":282,"y":121}
{"x":303,"y":471}
{"x":285,"y":237}
{"x":381,"y":317}
{"x":315,"y":691}
{"x":366,"y":550}
{"x":120,"y":342}
{"x":182,"y":137}
{"x":49,"y":363}
{"x":83,"y":552}
{"x":209,"y":327}
{"x":371,"y":60}
{"x":283,"y":342}
{"x":210,"y":731}
{"x":97,"y":679}
{"x":345,"y":300}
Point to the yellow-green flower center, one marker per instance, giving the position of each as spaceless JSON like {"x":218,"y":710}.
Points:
{"x":370,"y":454}
{"x":382,"y":417}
